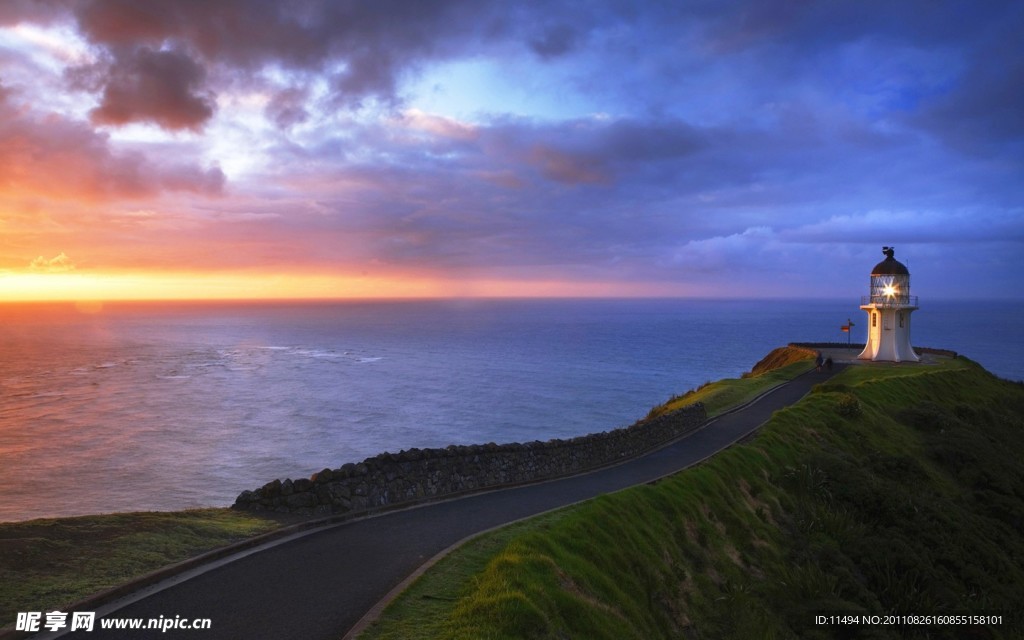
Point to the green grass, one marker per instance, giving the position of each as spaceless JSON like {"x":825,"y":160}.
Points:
{"x":49,"y":563}
{"x":888,"y":490}
{"x":725,"y":394}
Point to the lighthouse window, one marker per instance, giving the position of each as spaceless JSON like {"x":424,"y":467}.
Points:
{"x":901,"y":320}
{"x":874,"y":319}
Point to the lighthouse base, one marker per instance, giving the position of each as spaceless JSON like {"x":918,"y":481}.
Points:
{"x":888,"y":334}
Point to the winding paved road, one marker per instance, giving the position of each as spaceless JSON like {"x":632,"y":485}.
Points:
{"x":319,"y":584}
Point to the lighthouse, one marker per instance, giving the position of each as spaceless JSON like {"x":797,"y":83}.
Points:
{"x":889,"y":307}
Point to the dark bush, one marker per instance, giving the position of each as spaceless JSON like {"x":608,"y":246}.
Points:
{"x":926,"y":416}
{"x":848,"y":406}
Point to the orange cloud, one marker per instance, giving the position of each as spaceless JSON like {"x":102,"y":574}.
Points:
{"x":58,"y":264}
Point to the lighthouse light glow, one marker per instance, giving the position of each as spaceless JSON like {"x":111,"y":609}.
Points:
{"x":889,"y":290}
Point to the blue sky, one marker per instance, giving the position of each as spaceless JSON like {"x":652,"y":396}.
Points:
{"x":743,"y":148}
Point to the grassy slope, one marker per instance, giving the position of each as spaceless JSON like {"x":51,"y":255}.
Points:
{"x":49,"y":563}
{"x":724,"y":394}
{"x":890,"y":490}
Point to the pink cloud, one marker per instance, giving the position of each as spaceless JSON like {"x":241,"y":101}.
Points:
{"x":15,"y":11}
{"x":56,"y":157}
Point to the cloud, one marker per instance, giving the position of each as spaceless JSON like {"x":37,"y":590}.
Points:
{"x":932,"y":226}
{"x":588,"y":151}
{"x":287,"y":107}
{"x":727,"y":254}
{"x":567,"y":168}
{"x":363,"y":49}
{"x":364,"y":46}
{"x":57,"y":264}
{"x":13,"y":12}
{"x":743,"y":136}
{"x":732,"y":27}
{"x":482,"y":196}
{"x":555,"y":41}
{"x":160,"y":87}
{"x":438,"y":126}
{"x":634,"y":197}
{"x":50,"y":156}
{"x":985,"y":109}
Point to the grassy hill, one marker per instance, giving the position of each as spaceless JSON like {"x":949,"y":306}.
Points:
{"x":891,"y":490}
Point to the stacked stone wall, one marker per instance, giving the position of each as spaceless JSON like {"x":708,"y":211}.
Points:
{"x":423,"y":474}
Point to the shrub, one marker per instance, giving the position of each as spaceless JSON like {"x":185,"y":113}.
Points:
{"x":848,"y":406}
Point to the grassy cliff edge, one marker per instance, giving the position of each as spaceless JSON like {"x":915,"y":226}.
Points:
{"x":889,"y":491}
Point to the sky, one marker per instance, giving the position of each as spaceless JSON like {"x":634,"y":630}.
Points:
{"x":419,"y":148}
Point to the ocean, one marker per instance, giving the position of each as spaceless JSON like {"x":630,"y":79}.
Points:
{"x":161,"y":406}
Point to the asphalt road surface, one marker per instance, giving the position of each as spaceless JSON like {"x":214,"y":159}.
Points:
{"x":320,"y":584}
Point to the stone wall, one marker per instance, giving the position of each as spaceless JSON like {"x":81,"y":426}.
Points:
{"x":422,"y":474}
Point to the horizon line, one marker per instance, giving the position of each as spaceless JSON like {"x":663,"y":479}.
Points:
{"x":457,"y":298}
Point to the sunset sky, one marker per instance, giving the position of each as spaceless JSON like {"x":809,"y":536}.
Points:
{"x":319,"y":148}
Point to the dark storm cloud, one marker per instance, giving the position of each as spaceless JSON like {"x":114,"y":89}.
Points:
{"x":239,"y":32}
{"x":555,"y":41}
{"x":364,"y":46}
{"x":161,"y":87}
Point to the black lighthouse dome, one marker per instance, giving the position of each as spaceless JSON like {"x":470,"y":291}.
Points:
{"x":890,"y":266}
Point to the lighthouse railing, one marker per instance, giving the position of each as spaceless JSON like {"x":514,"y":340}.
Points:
{"x":889,"y":302}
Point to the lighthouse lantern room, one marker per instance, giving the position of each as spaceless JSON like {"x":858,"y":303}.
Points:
{"x":889,"y":307}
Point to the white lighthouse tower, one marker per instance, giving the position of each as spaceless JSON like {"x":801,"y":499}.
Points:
{"x":889,"y":307}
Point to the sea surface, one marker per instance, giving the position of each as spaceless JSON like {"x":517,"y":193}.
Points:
{"x":159,"y":406}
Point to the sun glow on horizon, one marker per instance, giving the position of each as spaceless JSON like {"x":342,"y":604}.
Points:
{"x":79,"y":286}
